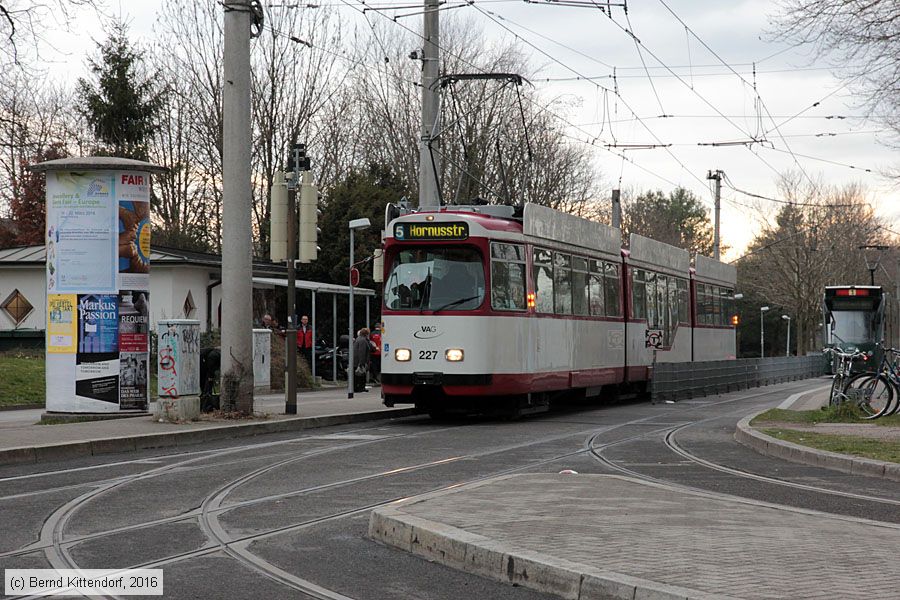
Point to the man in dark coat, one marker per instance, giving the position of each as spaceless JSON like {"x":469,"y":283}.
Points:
{"x":361,"y":352}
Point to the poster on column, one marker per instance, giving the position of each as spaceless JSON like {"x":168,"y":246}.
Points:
{"x":133,"y":194}
{"x":81,"y":224}
{"x":62,"y":323}
{"x":134,"y":349}
{"x":97,"y":359}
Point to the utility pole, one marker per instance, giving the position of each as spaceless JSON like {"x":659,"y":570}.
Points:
{"x":429,"y":147}
{"x":616,"y":209}
{"x":717,"y":177}
{"x":295,"y":159}
{"x":237,"y":250}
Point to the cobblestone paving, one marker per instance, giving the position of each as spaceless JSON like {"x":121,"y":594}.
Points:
{"x":678,"y":538}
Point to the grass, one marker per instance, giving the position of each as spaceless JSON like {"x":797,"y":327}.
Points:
{"x":846,"y":414}
{"x":21,"y":378}
{"x":887,"y":450}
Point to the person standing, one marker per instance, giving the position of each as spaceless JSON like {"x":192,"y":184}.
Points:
{"x":362,"y":350}
{"x":375,"y":360}
{"x":305,"y":339}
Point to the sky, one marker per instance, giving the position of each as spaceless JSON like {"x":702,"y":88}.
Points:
{"x":695,"y":64}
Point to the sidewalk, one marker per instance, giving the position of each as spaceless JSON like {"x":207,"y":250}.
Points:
{"x":593,"y":537}
{"x":22,"y":440}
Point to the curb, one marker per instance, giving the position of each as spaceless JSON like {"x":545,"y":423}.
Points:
{"x":768,"y":446}
{"x":479,"y":555}
{"x":21,"y":407}
{"x":55,"y":452}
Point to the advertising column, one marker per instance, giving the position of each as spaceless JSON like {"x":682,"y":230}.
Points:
{"x":98,"y":286}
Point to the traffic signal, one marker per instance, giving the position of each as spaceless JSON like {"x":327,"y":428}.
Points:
{"x":735,"y":320}
{"x":278,"y":219}
{"x":309,"y":215}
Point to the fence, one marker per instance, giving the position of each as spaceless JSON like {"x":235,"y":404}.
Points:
{"x":676,"y":381}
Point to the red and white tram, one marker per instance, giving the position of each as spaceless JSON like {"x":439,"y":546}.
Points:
{"x":485,"y":311}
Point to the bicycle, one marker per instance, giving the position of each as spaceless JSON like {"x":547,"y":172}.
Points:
{"x":888,"y":373}
{"x":872,"y":393}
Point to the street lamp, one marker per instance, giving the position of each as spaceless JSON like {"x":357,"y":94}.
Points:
{"x":762,"y":331}
{"x":787,"y":347}
{"x":351,"y":370}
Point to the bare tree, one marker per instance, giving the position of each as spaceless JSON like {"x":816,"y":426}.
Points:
{"x":24,"y":25}
{"x":810,"y":244}
{"x":861,"y":39}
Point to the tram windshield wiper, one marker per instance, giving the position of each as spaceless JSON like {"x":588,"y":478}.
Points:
{"x":455,"y":302}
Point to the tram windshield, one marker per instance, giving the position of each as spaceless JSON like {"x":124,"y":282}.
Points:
{"x":435,"y":279}
{"x":852,"y":327}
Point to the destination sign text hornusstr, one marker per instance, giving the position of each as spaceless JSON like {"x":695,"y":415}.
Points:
{"x":407,"y":232}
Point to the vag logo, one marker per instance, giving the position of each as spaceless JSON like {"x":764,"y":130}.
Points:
{"x":399,"y":232}
{"x":427,"y":332}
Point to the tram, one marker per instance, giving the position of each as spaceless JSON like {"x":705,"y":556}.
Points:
{"x":486,"y":309}
{"x":853,"y":317}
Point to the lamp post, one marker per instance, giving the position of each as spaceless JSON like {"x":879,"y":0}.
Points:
{"x":787,"y":347}
{"x":762,"y":331}
{"x":351,"y":369}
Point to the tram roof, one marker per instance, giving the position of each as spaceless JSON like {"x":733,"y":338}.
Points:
{"x":549,"y":224}
{"x":710,"y":268}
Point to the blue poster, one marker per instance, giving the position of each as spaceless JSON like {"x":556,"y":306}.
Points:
{"x":98,"y":323}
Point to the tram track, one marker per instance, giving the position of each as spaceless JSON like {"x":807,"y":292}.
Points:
{"x":56,"y":547}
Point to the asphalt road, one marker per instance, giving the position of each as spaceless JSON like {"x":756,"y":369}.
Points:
{"x":285,"y":516}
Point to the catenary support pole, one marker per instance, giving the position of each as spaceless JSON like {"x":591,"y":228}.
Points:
{"x":290,"y":338}
{"x":312,"y":367}
{"x":350,"y":367}
{"x":429,"y":148}
{"x":616,"y":209}
{"x":717,"y":177}
{"x":334,"y":339}
{"x":237,"y":250}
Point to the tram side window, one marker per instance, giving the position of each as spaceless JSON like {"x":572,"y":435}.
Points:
{"x":611,"y":285}
{"x":639,"y":294}
{"x":650,"y":279}
{"x":562,"y":283}
{"x":683,"y":302}
{"x":543,"y":280}
{"x":507,"y":276}
{"x":580,"y":292}
{"x":715,"y":305}
{"x":727,"y":297}
{"x":595,"y":289}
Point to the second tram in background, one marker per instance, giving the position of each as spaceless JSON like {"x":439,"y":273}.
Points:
{"x":485,"y":310}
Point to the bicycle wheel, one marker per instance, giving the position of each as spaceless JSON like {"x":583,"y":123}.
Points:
{"x":837,"y":391}
{"x":873,"y":393}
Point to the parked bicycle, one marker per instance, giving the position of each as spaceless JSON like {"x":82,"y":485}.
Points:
{"x":871,"y":392}
{"x":888,"y":375}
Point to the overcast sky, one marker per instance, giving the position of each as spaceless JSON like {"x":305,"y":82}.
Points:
{"x":708,"y":102}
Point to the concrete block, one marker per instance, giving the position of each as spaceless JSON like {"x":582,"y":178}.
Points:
{"x":61,"y":451}
{"x":386,"y":526}
{"x":604,"y":587}
{"x":113,"y":445}
{"x":837,"y":462}
{"x":441,"y":543}
{"x":160,"y":440}
{"x":485,"y":558}
{"x":16,"y":456}
{"x":864,"y":466}
{"x":175,"y":410}
{"x":544,"y":574}
{"x":892,"y":471}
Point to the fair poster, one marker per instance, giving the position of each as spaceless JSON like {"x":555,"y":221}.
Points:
{"x":133,"y":195}
{"x":81,"y":222}
{"x":62,"y":323}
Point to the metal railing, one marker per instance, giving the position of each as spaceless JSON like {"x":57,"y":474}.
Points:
{"x":677,"y":381}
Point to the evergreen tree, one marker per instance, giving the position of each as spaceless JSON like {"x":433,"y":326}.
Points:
{"x":678,"y":219}
{"x":122,"y":102}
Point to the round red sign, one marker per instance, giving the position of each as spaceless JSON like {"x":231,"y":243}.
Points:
{"x":354,"y":277}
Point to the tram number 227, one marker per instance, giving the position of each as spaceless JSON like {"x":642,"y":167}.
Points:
{"x":427,"y":354}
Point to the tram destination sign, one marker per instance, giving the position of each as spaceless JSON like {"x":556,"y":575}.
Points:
{"x":414,"y":232}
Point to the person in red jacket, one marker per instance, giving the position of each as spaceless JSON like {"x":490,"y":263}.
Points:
{"x":375,"y":360}
{"x":305,"y":339}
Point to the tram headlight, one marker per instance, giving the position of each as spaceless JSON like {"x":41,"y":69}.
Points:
{"x":402,"y":354}
{"x":454,"y":354}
